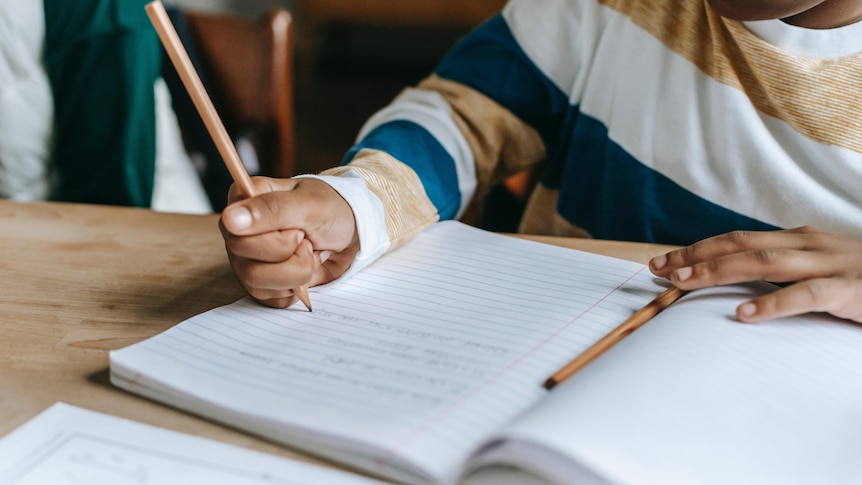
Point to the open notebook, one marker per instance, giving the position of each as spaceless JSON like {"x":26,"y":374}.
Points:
{"x":427,"y":367}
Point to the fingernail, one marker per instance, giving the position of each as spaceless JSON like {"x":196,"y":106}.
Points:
{"x":658,"y":262}
{"x":324,"y":256}
{"x":238,"y":217}
{"x":682,"y":274}
{"x":746,"y":310}
{"x":300,"y":235}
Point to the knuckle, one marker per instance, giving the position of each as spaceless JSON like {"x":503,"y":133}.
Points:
{"x":766,"y":257}
{"x":738,"y":237}
{"x":816,"y":240}
{"x":807,"y":230}
{"x":817,"y":290}
{"x":269,"y":205}
{"x":706,"y":270}
{"x":245,"y":277}
{"x":248,"y":276}
{"x":688,"y":252}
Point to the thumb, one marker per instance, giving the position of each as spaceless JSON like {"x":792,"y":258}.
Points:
{"x":270,"y":211}
{"x":237,"y":219}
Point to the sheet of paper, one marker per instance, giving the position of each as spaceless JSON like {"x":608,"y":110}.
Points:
{"x":67,"y":445}
{"x":421,"y":355}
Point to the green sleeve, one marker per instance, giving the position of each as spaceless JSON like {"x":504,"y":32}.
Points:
{"x":102,"y":58}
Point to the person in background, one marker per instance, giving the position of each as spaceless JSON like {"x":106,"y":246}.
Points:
{"x":85,"y":115}
{"x":730,"y":127}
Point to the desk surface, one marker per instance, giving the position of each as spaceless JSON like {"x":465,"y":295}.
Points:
{"x":79,"y":280}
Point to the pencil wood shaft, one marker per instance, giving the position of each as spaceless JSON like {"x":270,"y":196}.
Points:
{"x":631,"y":324}
{"x":181,"y":61}
{"x":192,"y":82}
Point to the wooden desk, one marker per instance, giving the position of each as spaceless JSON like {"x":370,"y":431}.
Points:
{"x":79,"y":281}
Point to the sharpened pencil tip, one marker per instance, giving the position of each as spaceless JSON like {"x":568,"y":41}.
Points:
{"x":302,"y":293}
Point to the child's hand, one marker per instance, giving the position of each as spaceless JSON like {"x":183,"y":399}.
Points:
{"x":826,"y":269}
{"x":296,"y":232}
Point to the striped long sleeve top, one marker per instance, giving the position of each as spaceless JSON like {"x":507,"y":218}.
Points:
{"x":650,"y":120}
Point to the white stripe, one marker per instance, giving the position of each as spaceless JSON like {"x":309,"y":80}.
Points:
{"x":429,"y":110}
{"x":558,"y":36}
{"x":703,"y":135}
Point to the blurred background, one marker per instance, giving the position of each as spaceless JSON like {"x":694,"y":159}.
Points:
{"x":352,"y":57}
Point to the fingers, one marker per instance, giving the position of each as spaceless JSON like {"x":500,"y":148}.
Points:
{"x":264,"y":277}
{"x":777,"y":256}
{"x":826,"y":269}
{"x":272,"y":283}
{"x":775,"y":265}
{"x":730,"y":243}
{"x":271,"y":247}
{"x":839,"y":297}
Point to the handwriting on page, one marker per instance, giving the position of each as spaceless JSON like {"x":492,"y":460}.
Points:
{"x":341,"y":356}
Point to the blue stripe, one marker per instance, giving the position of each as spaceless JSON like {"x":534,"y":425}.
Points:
{"x":415,"y":146}
{"x":606,"y":191}
{"x":612,"y":195}
{"x":491,"y":61}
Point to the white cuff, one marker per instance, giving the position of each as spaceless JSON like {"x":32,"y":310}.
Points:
{"x":367,"y":212}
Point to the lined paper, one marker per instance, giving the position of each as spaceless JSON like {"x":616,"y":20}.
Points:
{"x":697,"y":397}
{"x":404,"y":368}
{"x":68,"y":445}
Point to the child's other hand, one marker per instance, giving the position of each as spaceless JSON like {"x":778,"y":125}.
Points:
{"x":296,"y":232}
{"x":825,"y":269}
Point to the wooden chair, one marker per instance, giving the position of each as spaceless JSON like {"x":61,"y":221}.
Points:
{"x":248,"y":65}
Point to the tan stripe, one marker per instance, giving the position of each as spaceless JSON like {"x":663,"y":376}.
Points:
{"x":819,"y":98}
{"x":408,"y":209}
{"x":502,"y":144}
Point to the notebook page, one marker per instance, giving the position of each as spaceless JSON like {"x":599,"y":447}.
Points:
{"x":414,"y":360}
{"x":696,"y":397}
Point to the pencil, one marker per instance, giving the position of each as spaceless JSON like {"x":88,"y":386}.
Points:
{"x":192,"y":82}
{"x":631,"y":324}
